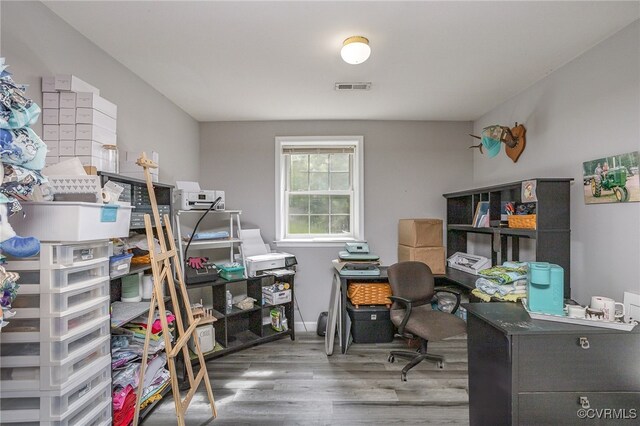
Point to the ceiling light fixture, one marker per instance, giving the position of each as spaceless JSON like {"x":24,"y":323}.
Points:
{"x":355,"y":50}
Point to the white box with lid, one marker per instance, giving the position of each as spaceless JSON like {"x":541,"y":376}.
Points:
{"x":51,"y":100}
{"x":95,"y":117}
{"x":91,"y":100}
{"x":52,"y":148}
{"x":50,"y":116}
{"x":50,"y":132}
{"x":89,"y":148}
{"x":74,"y":221}
{"x":49,"y":84}
{"x":66,"y":148}
{"x":67,"y":132}
{"x":67,"y":116}
{"x":67,"y":100}
{"x":71,"y":83}
{"x":95,"y":133}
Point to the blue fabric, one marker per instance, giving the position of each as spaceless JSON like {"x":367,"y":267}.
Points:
{"x":491,"y":145}
{"x":22,"y":147}
{"x":21,"y":247}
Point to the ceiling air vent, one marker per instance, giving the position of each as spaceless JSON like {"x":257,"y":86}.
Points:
{"x":353,"y":86}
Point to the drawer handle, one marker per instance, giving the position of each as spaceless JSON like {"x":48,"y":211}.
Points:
{"x":584,"y":402}
{"x":584,"y":343}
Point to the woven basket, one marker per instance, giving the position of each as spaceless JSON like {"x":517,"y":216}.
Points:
{"x":526,"y":221}
{"x":369,"y":294}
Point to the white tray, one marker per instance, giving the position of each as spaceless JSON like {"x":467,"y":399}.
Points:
{"x":580,"y":321}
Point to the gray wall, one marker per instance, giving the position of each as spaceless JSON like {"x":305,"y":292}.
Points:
{"x":36,"y":43}
{"x":589,"y":108}
{"x":408,"y":166}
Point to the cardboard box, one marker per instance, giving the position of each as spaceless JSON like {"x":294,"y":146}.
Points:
{"x":95,"y":133}
{"x":67,"y":132}
{"x":51,"y":100}
{"x":52,"y":149}
{"x":67,"y":116}
{"x":434,"y":257}
{"x":67,"y":148}
{"x":420,"y":232}
{"x":89,"y":148}
{"x":71,"y":83}
{"x":95,"y":117}
{"x":67,"y":100}
{"x":50,"y":132}
{"x":48,"y":84}
{"x":91,"y":100}
{"x":50,"y":116}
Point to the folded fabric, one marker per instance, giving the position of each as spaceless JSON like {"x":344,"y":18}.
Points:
{"x":504,"y":274}
{"x":19,"y":181}
{"x":486,"y":297}
{"x":22,"y":147}
{"x":491,"y":287}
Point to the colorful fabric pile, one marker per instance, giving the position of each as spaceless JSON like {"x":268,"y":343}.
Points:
{"x":507,"y":282}
{"x":8,"y":293}
{"x":127,"y":350}
{"x":22,"y":157}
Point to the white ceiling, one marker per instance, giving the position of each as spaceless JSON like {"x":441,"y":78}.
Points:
{"x":227,"y":61}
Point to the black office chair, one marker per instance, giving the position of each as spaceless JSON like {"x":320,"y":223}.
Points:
{"x":413,"y":290}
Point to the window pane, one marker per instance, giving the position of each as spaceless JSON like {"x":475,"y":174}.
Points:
{"x":319,"y":204}
{"x":339,"y":224}
{"x":298,"y":204}
{"x":299,"y":181}
{"x":340,"y":162}
{"x":319,"y":162}
{"x":299,"y":163}
{"x":298,"y":224}
{"x":340,"y":180}
{"x":319,"y":181}
{"x":340,"y":204}
{"x":319,"y":224}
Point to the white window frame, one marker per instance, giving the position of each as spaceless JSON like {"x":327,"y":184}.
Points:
{"x":357,"y":213}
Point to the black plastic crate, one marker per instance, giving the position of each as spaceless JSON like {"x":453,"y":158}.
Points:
{"x":370,"y":324}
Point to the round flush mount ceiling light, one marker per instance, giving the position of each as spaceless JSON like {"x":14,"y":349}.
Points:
{"x":355,"y":50}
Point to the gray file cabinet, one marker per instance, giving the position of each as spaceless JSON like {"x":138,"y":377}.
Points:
{"x":532,"y":372}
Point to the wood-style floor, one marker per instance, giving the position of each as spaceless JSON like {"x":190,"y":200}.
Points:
{"x":295,"y":383}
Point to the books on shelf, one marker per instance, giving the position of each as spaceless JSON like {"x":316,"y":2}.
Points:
{"x":481,"y":216}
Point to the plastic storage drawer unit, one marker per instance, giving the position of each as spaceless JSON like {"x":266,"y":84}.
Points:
{"x":57,"y":255}
{"x":370,"y":324}
{"x":56,"y":280}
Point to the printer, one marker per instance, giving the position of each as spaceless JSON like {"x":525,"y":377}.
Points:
{"x":189,"y":196}
{"x":258,"y":264}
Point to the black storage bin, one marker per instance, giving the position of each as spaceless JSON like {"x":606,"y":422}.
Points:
{"x":370,"y":324}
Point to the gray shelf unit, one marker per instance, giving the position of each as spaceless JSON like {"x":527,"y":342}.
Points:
{"x":552,"y":233}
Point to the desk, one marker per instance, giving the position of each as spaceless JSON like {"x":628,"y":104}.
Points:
{"x":524,"y":371}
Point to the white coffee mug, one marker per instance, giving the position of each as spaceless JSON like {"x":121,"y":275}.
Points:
{"x":576,"y":311}
{"x":608,"y":307}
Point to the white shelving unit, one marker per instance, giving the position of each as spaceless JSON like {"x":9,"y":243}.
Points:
{"x":232,"y":242}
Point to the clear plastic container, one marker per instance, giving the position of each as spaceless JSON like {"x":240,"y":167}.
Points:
{"x":110,"y":161}
{"x":57,"y":280}
{"x":54,"y":256}
{"x":120,"y":265}
{"x":55,"y":304}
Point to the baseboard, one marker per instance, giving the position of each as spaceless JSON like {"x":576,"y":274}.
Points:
{"x":299,"y":326}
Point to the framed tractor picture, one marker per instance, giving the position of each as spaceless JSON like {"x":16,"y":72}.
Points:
{"x":613,"y":179}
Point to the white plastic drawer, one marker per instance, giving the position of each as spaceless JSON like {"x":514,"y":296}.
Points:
{"x":54,"y":255}
{"x":93,"y":414}
{"x":73,"y":322}
{"x":21,"y":354}
{"x":64,"y":279}
{"x":31,"y":406}
{"x":56,"y":304}
{"x":54,"y":377}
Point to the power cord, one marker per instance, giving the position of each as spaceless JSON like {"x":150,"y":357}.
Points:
{"x":211,"y":207}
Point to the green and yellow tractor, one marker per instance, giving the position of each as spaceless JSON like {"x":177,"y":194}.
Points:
{"x":613,"y":180}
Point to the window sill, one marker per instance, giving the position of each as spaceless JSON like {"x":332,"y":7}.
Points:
{"x":313,"y":243}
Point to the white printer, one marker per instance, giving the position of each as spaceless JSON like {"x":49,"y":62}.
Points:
{"x":258,"y":264}
{"x":189,"y":196}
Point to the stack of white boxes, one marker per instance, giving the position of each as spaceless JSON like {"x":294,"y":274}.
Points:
{"x":76,"y":121}
{"x":55,"y":359}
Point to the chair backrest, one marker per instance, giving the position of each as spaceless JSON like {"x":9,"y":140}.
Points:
{"x":411,"y":280}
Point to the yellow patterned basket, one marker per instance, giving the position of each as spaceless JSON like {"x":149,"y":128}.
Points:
{"x":369,"y":294}
{"x":526,"y":221}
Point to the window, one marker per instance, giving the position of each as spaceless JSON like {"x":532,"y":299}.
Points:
{"x":319,"y":193}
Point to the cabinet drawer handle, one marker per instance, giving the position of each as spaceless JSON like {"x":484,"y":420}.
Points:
{"x":584,"y":402}
{"x":584,"y":343}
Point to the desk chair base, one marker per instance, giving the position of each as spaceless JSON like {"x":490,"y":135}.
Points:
{"x":416,"y":358}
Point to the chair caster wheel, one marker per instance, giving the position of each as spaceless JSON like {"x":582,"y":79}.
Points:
{"x":391,"y":358}
{"x":403,"y":376}
{"x":440,"y":364}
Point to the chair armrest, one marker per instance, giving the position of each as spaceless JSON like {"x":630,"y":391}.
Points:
{"x":451,"y":291}
{"x":407,"y":311}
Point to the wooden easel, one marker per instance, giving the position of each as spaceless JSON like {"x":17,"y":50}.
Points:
{"x":161,"y":266}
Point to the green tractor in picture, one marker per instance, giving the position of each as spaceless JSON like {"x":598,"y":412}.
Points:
{"x":615,"y":179}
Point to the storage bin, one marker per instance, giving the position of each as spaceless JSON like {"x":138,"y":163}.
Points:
{"x":229,"y":272}
{"x":57,"y":256}
{"x":275,"y":297}
{"x":524,"y":221}
{"x":63,"y":279}
{"x":370,"y":324}
{"x":74,"y":221}
{"x":31,"y":406}
{"x":369,"y":294}
{"x":56,"y":304}
{"x":94,"y":414}
{"x":120,"y":265}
